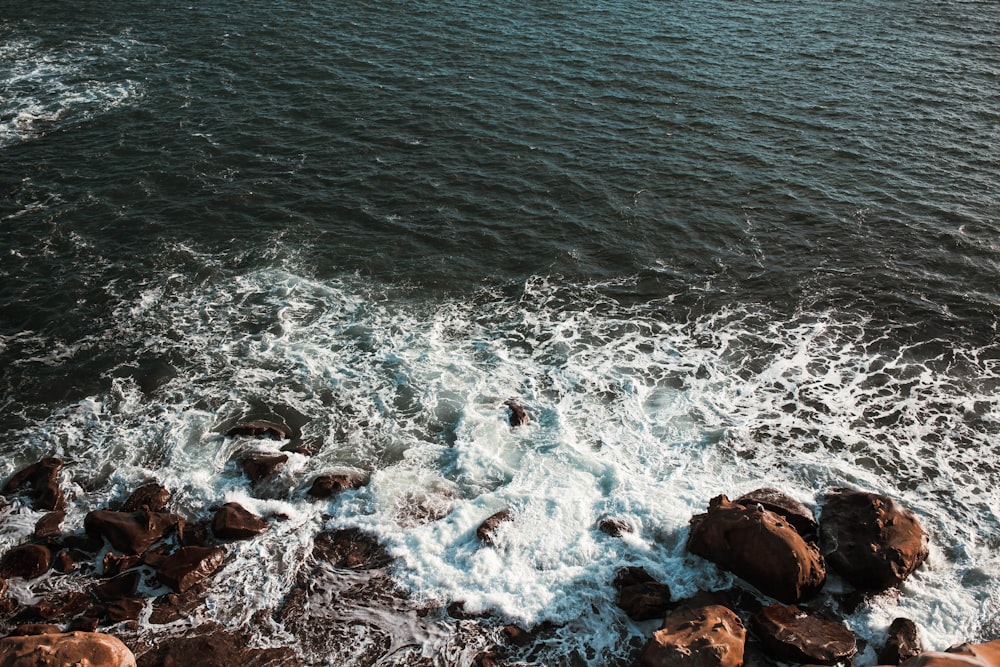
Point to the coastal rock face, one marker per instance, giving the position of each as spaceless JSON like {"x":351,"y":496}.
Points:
{"x":963,"y":655}
{"x":870,"y":539}
{"x":188,"y":566}
{"x":130,"y":532}
{"x":640,"y":596}
{"x":76,"y":649}
{"x":759,"y":546}
{"x":42,"y":482}
{"x":26,"y":561}
{"x":711,"y":636}
{"x":234,"y":522}
{"x":791,"y":510}
{"x":797,"y":635}
{"x":902,"y":642}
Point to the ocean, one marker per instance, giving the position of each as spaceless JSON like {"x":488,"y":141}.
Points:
{"x":710,"y":246}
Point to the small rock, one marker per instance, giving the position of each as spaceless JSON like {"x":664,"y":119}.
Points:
{"x":518,"y":415}
{"x":643,"y":601}
{"x":797,"y":635}
{"x":130,"y":532}
{"x":125,"y":609}
{"x":151,"y":497}
{"x":350,"y":548}
{"x":115,"y":564}
{"x":260,"y":429}
{"x":27,"y":561}
{"x":70,"y":648}
{"x":710,"y":636}
{"x":42,"y":481}
{"x":49,"y":525}
{"x":902,"y":642}
{"x":258,"y":466}
{"x":486,"y":533}
{"x":326,"y":486}
{"x":211,"y":646}
{"x":117,"y":588}
{"x":614,"y":526}
{"x":26,"y":629}
{"x":189,"y":565}
{"x":63,"y":562}
{"x":233,"y":522}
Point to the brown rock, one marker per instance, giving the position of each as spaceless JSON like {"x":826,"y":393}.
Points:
{"x":150,"y":497}
{"x":350,"y":548}
{"x":644,"y":601}
{"x":791,"y":510}
{"x":518,"y":415}
{"x":59,"y":608}
{"x":759,"y":546}
{"x":870,"y":539}
{"x":61,"y":650}
{"x":902,"y":642}
{"x":26,"y":629}
{"x":130,"y":532}
{"x":125,"y":609}
{"x":710,"y":636}
{"x":115,"y":564}
{"x":176,"y":606}
{"x":48,"y":526}
{"x":192,"y":533}
{"x":326,"y":486}
{"x":84,"y":624}
{"x":797,"y":635}
{"x":963,"y":655}
{"x":26,"y":561}
{"x":117,"y":588}
{"x":189,"y":565}
{"x":614,"y":526}
{"x":233,"y":522}
{"x":214,"y":647}
{"x":487,"y":529}
{"x":258,"y":466}
{"x":42,"y":482}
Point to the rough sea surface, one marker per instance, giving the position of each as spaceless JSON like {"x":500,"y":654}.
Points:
{"x":711,"y":246}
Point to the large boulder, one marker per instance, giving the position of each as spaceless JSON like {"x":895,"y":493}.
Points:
{"x":963,"y":655}
{"x":188,"y":566}
{"x":77,"y":649}
{"x":870,"y":539}
{"x":42,"y":482}
{"x":232,"y":521}
{"x":130,"y":532}
{"x":711,"y":636}
{"x":760,"y":547}
{"x":797,"y":635}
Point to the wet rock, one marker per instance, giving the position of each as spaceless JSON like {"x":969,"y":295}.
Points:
{"x":263,"y":429}
{"x":84,"y":543}
{"x":486,"y":533}
{"x":63,"y":562}
{"x":614,"y":526}
{"x":48,"y":527}
{"x":326,"y":486}
{"x":760,"y":547}
{"x":192,"y":533}
{"x":640,"y":596}
{"x":902,"y":642}
{"x":26,"y":629}
{"x":176,"y":606}
{"x":70,"y":648}
{"x":151,"y":497}
{"x":84,"y":624}
{"x":234,"y":522}
{"x":42,"y":483}
{"x":59,"y":608}
{"x":125,"y":609}
{"x":214,"y":647}
{"x":797,"y":635}
{"x":3,"y":587}
{"x":258,"y":466}
{"x":962,"y":655}
{"x":115,"y":564}
{"x":27,"y":561}
{"x":518,"y":415}
{"x":870,"y":539}
{"x":188,"y":566}
{"x":350,"y":548}
{"x":130,"y":532}
{"x":791,"y":510}
{"x":710,"y":636}
{"x":117,"y":588}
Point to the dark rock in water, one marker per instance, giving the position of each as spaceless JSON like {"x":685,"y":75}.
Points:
{"x":63,"y":562}
{"x":70,"y":648}
{"x":115,"y":564}
{"x":130,"y":532}
{"x":84,"y":624}
{"x":870,"y":539}
{"x":176,"y":606}
{"x":151,"y":497}
{"x":350,"y":548}
{"x":85,"y":543}
{"x":189,"y":565}
{"x":212,"y":646}
{"x":710,"y":636}
{"x":26,"y":629}
{"x":192,"y":533}
{"x":42,"y":481}
{"x":797,"y":635}
{"x":59,"y":608}
{"x":233,"y":522}
{"x":791,"y":510}
{"x":759,"y":546}
{"x":262,"y":429}
{"x":902,"y":642}
{"x":125,"y":609}
{"x":640,"y":596}
{"x":614,"y":526}
{"x":486,"y":533}
{"x":27,"y":561}
{"x":326,"y":486}
{"x":258,"y":466}
{"x":117,"y":588}
{"x":48,"y":526}
{"x":518,"y":415}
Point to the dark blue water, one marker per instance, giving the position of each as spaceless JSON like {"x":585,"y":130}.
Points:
{"x":787,"y":213}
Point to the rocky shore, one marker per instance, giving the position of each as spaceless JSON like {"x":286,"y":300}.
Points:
{"x":129,"y":587}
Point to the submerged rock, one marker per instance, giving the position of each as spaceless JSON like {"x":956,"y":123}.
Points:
{"x":797,"y":635}
{"x":870,"y":539}
{"x":188,"y":566}
{"x":486,"y":533}
{"x":350,"y":548}
{"x":42,"y":482}
{"x":258,"y":466}
{"x":86,"y":649}
{"x":711,"y":636}
{"x":260,"y":428}
{"x":760,"y":547}
{"x":518,"y":415}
